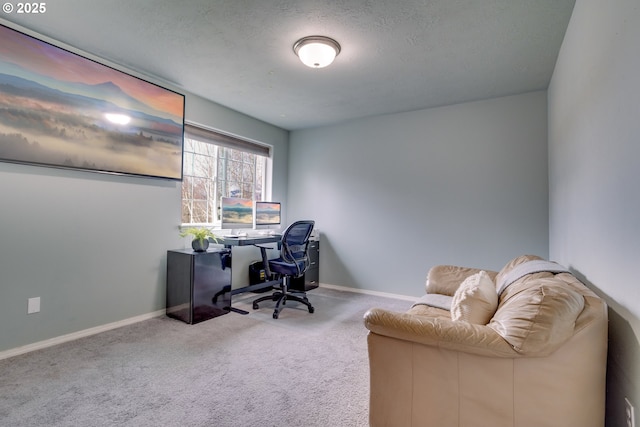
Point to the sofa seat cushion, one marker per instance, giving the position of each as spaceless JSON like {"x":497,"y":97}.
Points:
{"x":436,"y":300}
{"x":476,"y":300}
{"x":538,"y":315}
{"x":428,"y":311}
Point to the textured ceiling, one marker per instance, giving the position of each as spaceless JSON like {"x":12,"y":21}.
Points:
{"x":396,"y":55}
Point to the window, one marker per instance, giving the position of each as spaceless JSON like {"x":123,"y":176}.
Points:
{"x":215,"y":166}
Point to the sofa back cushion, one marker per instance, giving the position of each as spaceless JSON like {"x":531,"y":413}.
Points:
{"x":513,"y":263}
{"x":476,"y":300}
{"x":537,"y":314}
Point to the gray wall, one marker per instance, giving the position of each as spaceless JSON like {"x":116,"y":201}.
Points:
{"x":394,"y":195}
{"x":594,"y":147}
{"x":93,"y":246}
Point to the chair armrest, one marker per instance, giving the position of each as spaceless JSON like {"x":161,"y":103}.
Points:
{"x":446,"y":279}
{"x":438,"y":332}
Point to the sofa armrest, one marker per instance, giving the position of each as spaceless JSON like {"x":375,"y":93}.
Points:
{"x":446,"y":279}
{"x":438,"y":332}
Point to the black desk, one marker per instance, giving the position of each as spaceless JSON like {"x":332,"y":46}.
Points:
{"x":229,"y":242}
{"x":199,"y":283}
{"x":250,"y":240}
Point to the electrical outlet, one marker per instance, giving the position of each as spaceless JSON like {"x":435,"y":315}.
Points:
{"x":33,"y":305}
{"x":629,"y":413}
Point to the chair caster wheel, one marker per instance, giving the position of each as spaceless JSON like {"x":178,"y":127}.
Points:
{"x":275,"y":315}
{"x":255,"y":306}
{"x":311,"y":309}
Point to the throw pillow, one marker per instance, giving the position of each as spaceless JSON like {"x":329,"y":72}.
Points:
{"x":476,"y":300}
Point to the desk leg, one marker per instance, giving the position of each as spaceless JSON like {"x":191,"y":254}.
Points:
{"x":247,"y":289}
{"x":237,"y":310}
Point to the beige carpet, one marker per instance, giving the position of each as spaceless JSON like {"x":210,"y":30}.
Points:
{"x":300,"y":370}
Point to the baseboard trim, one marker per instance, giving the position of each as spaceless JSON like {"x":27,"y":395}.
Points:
{"x":77,"y":335}
{"x":368,"y":292}
{"x":125,"y":322}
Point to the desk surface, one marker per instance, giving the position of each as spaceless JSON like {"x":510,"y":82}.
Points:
{"x":189,"y":251}
{"x":250,"y":240}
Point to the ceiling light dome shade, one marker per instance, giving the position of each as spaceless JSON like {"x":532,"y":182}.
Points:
{"x":316,"y":51}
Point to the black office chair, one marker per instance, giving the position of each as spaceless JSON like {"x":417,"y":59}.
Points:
{"x":293,"y":262}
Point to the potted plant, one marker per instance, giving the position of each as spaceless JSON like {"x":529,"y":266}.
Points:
{"x":201,"y":236}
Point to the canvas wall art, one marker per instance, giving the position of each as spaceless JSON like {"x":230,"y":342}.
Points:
{"x":61,"y":109}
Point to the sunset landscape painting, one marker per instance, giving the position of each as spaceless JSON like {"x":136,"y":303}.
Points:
{"x":60,"y":109}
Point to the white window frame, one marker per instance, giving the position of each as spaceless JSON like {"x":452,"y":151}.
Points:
{"x":219,"y":144}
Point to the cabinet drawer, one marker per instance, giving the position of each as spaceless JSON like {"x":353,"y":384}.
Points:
{"x":312,"y":275}
{"x":314,"y":253}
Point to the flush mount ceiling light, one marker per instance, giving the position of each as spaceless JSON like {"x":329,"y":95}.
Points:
{"x":316,"y":51}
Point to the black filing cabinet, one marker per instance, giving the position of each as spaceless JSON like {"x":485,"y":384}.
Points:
{"x":198,"y":284}
{"x":311,"y":278}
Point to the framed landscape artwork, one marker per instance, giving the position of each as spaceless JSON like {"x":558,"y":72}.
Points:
{"x":61,"y":109}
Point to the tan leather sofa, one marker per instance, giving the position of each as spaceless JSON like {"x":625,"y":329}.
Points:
{"x":540,"y":361}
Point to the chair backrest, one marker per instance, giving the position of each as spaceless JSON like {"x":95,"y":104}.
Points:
{"x":295,"y":241}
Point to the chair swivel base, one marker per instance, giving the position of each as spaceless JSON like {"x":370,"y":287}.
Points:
{"x":282,"y":299}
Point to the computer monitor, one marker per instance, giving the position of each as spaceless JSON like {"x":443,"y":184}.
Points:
{"x":236,"y":213}
{"x":268,"y":214}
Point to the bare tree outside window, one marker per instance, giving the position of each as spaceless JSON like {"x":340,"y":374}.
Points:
{"x":212,"y":172}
